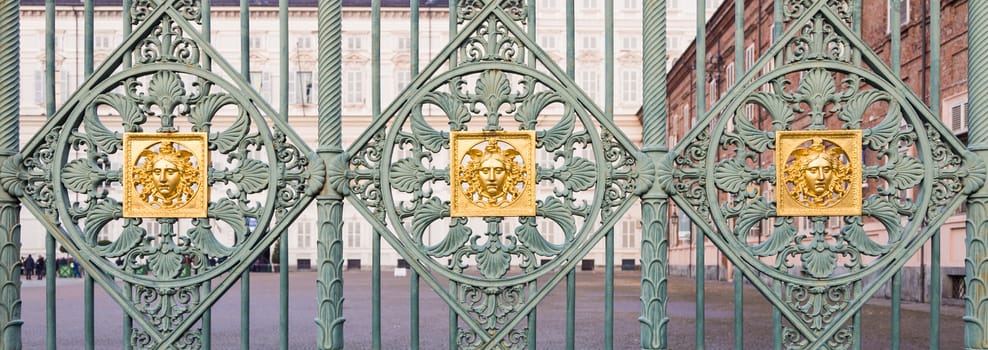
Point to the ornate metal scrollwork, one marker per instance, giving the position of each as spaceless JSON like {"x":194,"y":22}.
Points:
{"x":722,"y":174}
{"x":245,"y":173}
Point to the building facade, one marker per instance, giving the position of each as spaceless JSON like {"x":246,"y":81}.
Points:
{"x":759,"y":35}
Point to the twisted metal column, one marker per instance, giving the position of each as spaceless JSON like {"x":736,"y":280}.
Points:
{"x":10,"y":232}
{"x":655,"y":203}
{"x":976,"y":262}
{"x":329,"y":318}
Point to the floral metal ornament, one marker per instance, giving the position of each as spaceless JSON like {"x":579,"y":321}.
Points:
{"x":493,"y":173}
{"x":818,"y":173}
{"x":166,"y":176}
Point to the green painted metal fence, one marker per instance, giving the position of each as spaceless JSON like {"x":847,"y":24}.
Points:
{"x":165,"y":76}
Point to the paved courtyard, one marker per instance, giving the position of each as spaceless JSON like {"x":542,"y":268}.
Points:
{"x":434,"y":317}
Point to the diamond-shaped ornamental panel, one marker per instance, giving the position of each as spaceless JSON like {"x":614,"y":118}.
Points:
{"x":489,"y":88}
{"x":789,"y":148}
{"x":201,"y":139}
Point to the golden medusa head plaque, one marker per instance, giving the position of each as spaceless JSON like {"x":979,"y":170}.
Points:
{"x":165,"y":175}
{"x":818,"y":173}
{"x":493,"y":173}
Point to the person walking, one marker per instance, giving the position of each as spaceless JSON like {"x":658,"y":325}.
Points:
{"x":39,"y":268}
{"x":28,"y":266}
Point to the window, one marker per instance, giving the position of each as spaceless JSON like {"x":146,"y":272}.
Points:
{"x":590,"y":4}
{"x":628,"y":229}
{"x":684,"y":226}
{"x":404,"y":43}
{"x":355,"y":43}
{"x":304,"y":228}
{"x":769,"y":67}
{"x":955,"y":114}
{"x":730,"y":72}
{"x":589,"y":42}
{"x":304,"y":42}
{"x":749,"y":57}
{"x":903,"y":14}
{"x":304,"y":89}
{"x":102,"y":42}
{"x":631,"y":4}
{"x":256,"y":41}
{"x":631,"y":86}
{"x":686,"y":118}
{"x":771,"y":33}
{"x":353,"y":233}
{"x":547,"y":5}
{"x":353,"y":83}
{"x":631,"y":42}
{"x":39,"y":87}
{"x":548,"y":42}
{"x":590,"y":82}
{"x":67,"y":86}
{"x":261,"y":81}
{"x":402,"y":79}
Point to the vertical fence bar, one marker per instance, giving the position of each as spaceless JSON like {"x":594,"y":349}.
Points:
{"x":128,"y":322}
{"x":654,"y":319}
{"x":283,"y":239}
{"x":245,"y":70}
{"x":976,"y":261}
{"x":87,"y":67}
{"x":896,"y":65}
{"x":571,"y":275}
{"x":935,"y":273}
{"x":534,"y":285}
{"x":609,"y":114}
{"x":701,"y":100}
{"x":10,"y":208}
{"x":776,"y":285}
{"x":453,"y":317}
{"x":856,"y":329}
{"x":376,"y":114}
{"x":413,"y":277}
{"x":739,"y":68}
{"x":207,"y":286}
{"x":329,"y":246}
{"x":50,"y":329}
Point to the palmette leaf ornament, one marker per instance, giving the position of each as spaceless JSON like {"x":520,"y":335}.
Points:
{"x":493,"y":262}
{"x":579,"y":174}
{"x":432,"y":139}
{"x":758,"y":140}
{"x":752,"y":213}
{"x":882,"y":134}
{"x":529,"y":112}
{"x":557,"y":211}
{"x":132,"y":117}
{"x":777,"y":107}
{"x":81,"y":175}
{"x":456,"y":238}
{"x":858,"y":104}
{"x":905,"y":173}
{"x":732,"y":175}
{"x":407,"y":175}
{"x":229,"y":213}
{"x":528,"y":234}
{"x":781,"y":237}
{"x":101,"y":136}
{"x":129,"y":239}
{"x":97,"y":217}
{"x":886,"y":213}
{"x":452,"y":107}
{"x":853,"y":233}
{"x":554,"y":138}
{"x":204,"y":240}
{"x":251,"y":176}
{"x":203,"y":112}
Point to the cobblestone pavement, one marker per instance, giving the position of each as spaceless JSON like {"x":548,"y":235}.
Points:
{"x":434,"y":315}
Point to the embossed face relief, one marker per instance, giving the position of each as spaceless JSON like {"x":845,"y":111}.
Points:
{"x":492,"y":173}
{"x":166,"y":176}
{"x":819,"y":172}
{"x":817,"y":176}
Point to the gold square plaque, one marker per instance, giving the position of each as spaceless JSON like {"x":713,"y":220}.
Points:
{"x":492,"y":173}
{"x":818,"y":172}
{"x":164,"y":175}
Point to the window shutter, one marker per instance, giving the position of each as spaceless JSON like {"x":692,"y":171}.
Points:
{"x":956,"y":117}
